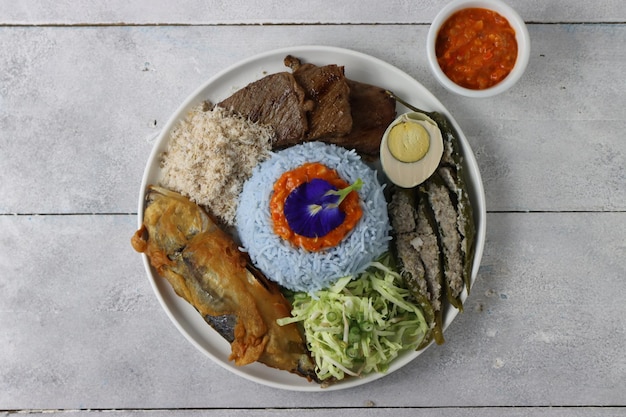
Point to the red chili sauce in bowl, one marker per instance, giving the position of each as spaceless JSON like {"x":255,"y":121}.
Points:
{"x":476,"y":48}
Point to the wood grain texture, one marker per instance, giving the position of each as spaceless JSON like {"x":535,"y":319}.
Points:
{"x":197,"y":12}
{"x":86,"y":87}
{"x":543,"y":326}
{"x":87,"y":103}
{"x":371,"y":410}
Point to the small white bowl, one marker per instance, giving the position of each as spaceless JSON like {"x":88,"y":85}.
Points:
{"x":521,"y":35}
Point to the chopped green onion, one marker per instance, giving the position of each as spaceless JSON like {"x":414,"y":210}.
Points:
{"x":358,"y":326}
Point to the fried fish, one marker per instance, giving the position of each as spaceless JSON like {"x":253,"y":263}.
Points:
{"x":205,"y":267}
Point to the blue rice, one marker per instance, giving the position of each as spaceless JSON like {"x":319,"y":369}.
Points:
{"x":295,"y":268}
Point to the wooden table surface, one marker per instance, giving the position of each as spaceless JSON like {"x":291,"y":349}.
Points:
{"x":84,"y":90}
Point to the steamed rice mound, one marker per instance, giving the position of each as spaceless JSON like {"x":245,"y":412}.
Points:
{"x":295,"y":268}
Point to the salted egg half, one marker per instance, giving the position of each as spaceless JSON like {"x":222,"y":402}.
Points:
{"x":411,"y":149}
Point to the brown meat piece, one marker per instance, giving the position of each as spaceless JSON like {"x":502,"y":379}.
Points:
{"x":317,"y":103}
{"x":327,"y":87}
{"x":276,"y":100}
{"x":372,"y":111}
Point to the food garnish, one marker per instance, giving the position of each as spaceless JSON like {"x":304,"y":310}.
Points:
{"x":359,"y":325}
{"x":313,"y":208}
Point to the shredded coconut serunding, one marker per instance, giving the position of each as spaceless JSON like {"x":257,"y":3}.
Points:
{"x":210,"y":154}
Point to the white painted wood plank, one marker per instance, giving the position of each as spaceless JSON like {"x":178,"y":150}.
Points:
{"x":79,"y":107}
{"x":371,"y":411}
{"x":81,"y":328}
{"x":39,"y":12}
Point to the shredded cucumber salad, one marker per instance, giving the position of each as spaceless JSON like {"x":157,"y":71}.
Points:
{"x":360,"y":325}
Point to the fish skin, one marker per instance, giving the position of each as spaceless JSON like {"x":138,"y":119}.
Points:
{"x":205,"y":267}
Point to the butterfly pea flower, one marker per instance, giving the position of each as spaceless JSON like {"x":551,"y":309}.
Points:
{"x":313,"y":208}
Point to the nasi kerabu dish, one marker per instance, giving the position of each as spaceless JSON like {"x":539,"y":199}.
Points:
{"x":271,"y":219}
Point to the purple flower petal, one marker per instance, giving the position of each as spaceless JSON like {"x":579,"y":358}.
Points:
{"x":312,"y":211}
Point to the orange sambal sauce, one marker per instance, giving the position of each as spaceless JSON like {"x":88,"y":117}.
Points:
{"x":291,"y":180}
{"x":476,"y":48}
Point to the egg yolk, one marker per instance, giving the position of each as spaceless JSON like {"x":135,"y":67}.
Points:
{"x":408,"y":142}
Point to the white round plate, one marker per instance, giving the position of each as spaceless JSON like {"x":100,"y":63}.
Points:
{"x":359,"y":67}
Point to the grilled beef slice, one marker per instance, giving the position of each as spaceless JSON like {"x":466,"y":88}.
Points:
{"x":276,"y":100}
{"x":372,"y":111}
{"x":328,"y":88}
{"x":317,"y":103}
